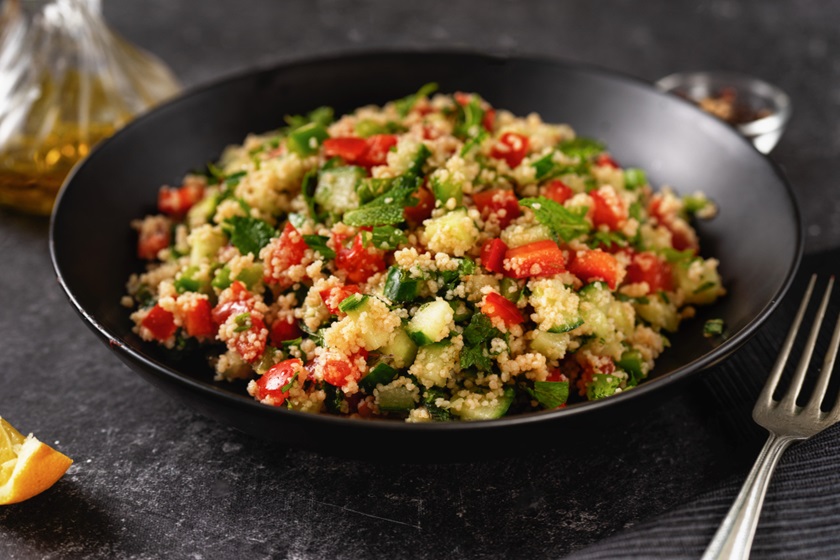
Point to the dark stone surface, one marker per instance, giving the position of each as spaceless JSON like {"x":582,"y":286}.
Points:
{"x":153,"y":480}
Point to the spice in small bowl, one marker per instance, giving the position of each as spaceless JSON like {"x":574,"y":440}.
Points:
{"x":757,"y":109}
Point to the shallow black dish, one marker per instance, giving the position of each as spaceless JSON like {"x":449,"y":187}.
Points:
{"x":756,"y":236}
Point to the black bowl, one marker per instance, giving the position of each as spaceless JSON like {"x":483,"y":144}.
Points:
{"x":756,"y":236}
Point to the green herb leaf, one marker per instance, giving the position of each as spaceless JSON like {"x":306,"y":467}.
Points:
{"x":551,"y":394}
{"x":321,"y":115}
{"x":430,"y":396}
{"x":387,"y":238}
{"x":468,"y":122}
{"x":307,"y":189}
{"x":318,"y":243}
{"x":351,"y":302}
{"x":248,"y":234}
{"x":602,"y":386}
{"x":634,"y":178}
{"x":713,"y":327}
{"x":564,"y":223}
{"x":405,"y":104}
{"x":583,"y":148}
{"x":243,"y":322}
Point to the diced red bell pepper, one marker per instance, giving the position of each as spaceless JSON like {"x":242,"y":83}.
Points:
{"x":274,"y":384}
{"x":423,"y":210}
{"x":235,"y":300}
{"x":558,"y":191}
{"x":376,"y":153}
{"x":348,"y":148}
{"x":176,"y":201}
{"x":650,"y":268}
{"x":285,"y":251}
{"x":496,"y":305}
{"x":151,"y":241}
{"x":540,"y":258}
{"x":366,"y":152}
{"x":250,"y":344}
{"x":608,"y":209}
{"x":339,"y":372}
{"x":493,"y":255}
{"x":358,"y":261}
{"x":283,"y":329}
{"x":511,"y":147}
{"x":198,"y":319}
{"x":594,"y":265}
{"x":604,"y":159}
{"x":160,"y":322}
{"x":335,"y":295}
{"x":501,"y":203}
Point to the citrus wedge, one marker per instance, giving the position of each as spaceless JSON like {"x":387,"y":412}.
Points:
{"x":27,"y":466}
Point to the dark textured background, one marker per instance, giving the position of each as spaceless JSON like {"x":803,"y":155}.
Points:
{"x":153,"y":480}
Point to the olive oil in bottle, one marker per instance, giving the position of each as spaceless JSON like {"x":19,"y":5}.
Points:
{"x":66,"y":82}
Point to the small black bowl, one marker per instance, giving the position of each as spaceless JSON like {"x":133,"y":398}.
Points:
{"x":756,"y":236}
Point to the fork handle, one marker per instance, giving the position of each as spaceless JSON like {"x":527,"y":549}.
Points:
{"x":735,"y":535}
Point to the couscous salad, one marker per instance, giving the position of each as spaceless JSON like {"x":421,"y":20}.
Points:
{"x":431,"y":259}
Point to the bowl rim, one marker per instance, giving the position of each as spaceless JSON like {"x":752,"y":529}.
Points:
{"x":243,"y":401}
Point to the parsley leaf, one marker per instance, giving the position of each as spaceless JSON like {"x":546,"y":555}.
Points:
{"x":322,"y":116}
{"x":547,"y":168}
{"x":318,"y":243}
{"x":468,"y":123}
{"x":581,"y":147}
{"x":477,"y":337}
{"x":248,"y":234}
{"x":564,"y":223}
{"x":307,"y":189}
{"x":405,"y":104}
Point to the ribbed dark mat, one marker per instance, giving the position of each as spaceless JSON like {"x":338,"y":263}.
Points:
{"x":801,"y":513}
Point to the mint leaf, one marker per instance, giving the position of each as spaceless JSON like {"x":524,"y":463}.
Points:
{"x":248,"y":234}
{"x":551,"y":394}
{"x":387,"y":238}
{"x":318,"y":243}
{"x":564,"y":223}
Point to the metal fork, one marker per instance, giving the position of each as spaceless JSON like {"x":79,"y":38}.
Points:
{"x":787,"y":423}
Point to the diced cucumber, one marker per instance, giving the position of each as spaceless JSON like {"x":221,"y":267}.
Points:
{"x":445,"y":188}
{"x":658,"y":312}
{"x":251,"y":275}
{"x":435,"y":363}
{"x":519,"y":235}
{"x":336,"y":189}
{"x":551,"y":345}
{"x":453,"y":233}
{"x":488,"y":411}
{"x":221,"y":279}
{"x":193,"y":279}
{"x":380,"y":374}
{"x":400,"y":286}
{"x":557,"y":303}
{"x":511,"y":289}
{"x":401,"y":350}
{"x":307,"y":139}
{"x":632,"y":363}
{"x":352,"y":302}
{"x":368,"y":313}
{"x":203,"y":210}
{"x":699,"y":281}
{"x":431,"y":322}
{"x":462,"y":311}
{"x":205,"y":242}
{"x":396,"y":397}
